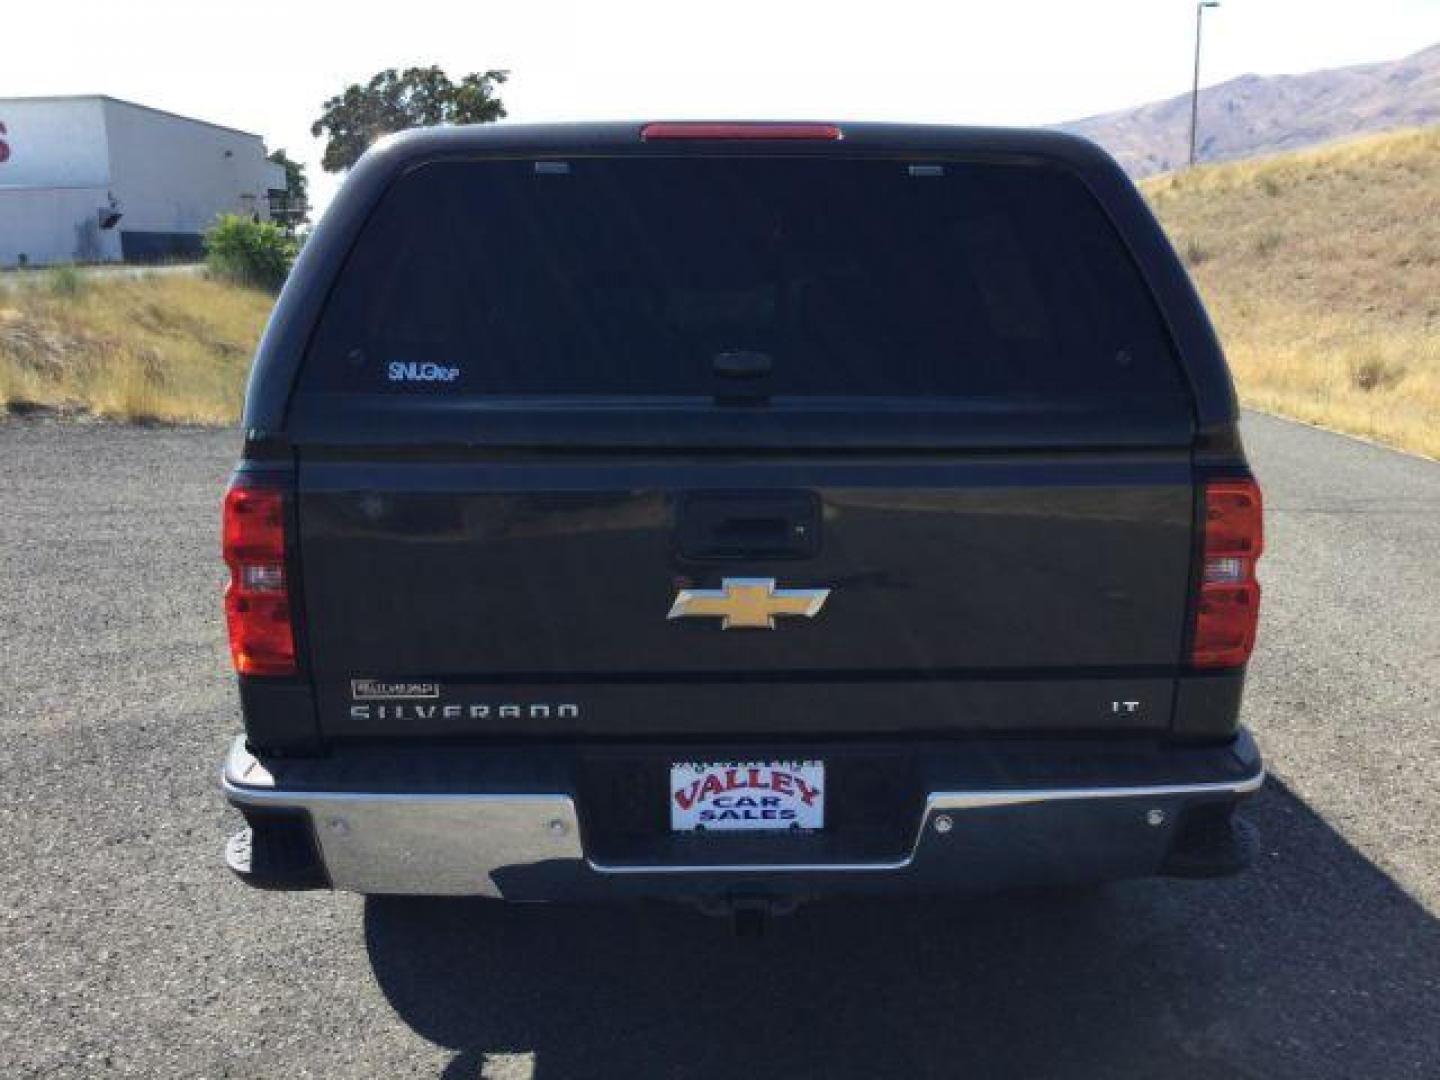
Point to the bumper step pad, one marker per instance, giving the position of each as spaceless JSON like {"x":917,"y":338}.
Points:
{"x":1212,"y":845}
{"x":276,"y":851}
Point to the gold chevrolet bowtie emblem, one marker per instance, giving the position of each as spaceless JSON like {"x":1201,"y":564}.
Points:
{"x":747,"y":603}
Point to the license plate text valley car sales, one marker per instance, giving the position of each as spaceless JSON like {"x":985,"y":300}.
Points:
{"x":747,"y":795}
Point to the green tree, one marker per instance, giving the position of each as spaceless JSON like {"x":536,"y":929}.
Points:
{"x":295,"y":210}
{"x":393,"y":101}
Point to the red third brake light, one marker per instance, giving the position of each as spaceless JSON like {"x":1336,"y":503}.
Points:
{"x":1228,"y":605}
{"x":652,"y":132}
{"x":257,"y":599}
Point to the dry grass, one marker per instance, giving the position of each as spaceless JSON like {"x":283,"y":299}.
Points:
{"x":170,"y":347}
{"x":1321,"y":270}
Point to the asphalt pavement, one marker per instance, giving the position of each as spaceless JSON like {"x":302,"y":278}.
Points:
{"x":128,"y":949}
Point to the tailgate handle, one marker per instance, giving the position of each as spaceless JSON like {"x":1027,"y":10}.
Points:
{"x":772,"y":532}
{"x":778,"y":525}
{"x":740,"y":364}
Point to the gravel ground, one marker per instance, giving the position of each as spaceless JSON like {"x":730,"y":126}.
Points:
{"x":129,"y":950}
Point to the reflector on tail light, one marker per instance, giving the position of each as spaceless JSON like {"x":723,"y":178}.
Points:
{"x":652,"y":132}
{"x":1227,"y":608}
{"x":257,"y":600}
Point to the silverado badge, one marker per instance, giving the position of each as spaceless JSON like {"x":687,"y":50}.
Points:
{"x":747,"y":603}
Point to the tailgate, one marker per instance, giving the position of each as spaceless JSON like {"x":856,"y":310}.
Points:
{"x":469,"y":597}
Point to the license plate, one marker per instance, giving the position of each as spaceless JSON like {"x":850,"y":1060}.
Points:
{"x":755,"y":795}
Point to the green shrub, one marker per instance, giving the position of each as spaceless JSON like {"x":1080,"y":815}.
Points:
{"x":254,"y":253}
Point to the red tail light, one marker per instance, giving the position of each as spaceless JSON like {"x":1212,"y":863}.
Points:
{"x":257,"y":600}
{"x":1228,"y":606}
{"x":652,"y":132}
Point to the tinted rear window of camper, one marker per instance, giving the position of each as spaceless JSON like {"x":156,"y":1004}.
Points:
{"x":658,"y":277}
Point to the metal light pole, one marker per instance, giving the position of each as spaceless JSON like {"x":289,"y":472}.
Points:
{"x":1195,"y":86}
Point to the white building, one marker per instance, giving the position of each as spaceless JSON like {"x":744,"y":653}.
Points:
{"x":95,"y":179}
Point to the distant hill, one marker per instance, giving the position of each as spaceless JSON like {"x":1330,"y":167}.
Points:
{"x":1263,"y":114}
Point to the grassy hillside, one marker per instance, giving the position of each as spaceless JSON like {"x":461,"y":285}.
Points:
{"x":172,"y":347}
{"x":1321,"y":270}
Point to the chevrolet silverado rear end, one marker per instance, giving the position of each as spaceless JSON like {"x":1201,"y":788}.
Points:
{"x":736,"y":512}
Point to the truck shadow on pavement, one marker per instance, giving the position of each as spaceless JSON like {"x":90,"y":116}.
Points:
{"x":1315,"y":964}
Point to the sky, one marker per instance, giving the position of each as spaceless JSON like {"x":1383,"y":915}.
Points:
{"x":267,"y":68}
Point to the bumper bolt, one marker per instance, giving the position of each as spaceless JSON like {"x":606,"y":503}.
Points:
{"x":339,"y":826}
{"x":944,"y":823}
{"x":556,"y":827}
{"x":1155,"y":817}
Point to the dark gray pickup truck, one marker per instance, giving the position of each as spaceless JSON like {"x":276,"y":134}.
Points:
{"x":738,"y":513}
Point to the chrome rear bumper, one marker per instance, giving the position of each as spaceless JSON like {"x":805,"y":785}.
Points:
{"x":434,"y":844}
{"x":529,"y":845}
